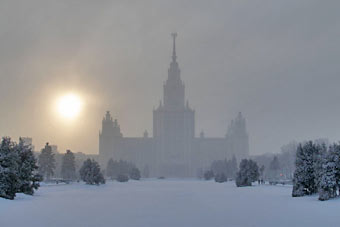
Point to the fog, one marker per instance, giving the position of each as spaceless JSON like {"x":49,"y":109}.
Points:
{"x":276,"y":61}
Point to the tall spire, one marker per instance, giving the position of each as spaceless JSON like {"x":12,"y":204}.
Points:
{"x":174,"y":91}
{"x":174,"y":35}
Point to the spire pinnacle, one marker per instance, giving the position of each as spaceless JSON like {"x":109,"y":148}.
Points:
{"x":174,"y":35}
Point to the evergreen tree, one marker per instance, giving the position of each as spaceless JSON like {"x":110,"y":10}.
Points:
{"x":68,"y":167}
{"x":328,"y":181}
{"x":304,"y":176}
{"x":90,"y":173}
{"x":248,"y":173}
{"x":318,"y":161}
{"x":17,"y":169}
{"x":9,"y":177}
{"x":335,"y":150}
{"x":46,"y":162}
{"x":27,"y":169}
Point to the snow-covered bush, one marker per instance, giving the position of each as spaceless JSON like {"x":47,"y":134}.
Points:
{"x":220,"y":178}
{"x":135,"y":174}
{"x":122,"y":178}
{"x":227,"y":167}
{"x":90,"y":173}
{"x":248,"y":173}
{"x":115,"y":168}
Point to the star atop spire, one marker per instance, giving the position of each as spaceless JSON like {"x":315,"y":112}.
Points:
{"x":174,"y":35}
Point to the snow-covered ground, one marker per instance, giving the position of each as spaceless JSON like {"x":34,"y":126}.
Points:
{"x":162,"y":203}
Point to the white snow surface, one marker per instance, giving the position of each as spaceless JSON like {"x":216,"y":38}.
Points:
{"x":163,"y":203}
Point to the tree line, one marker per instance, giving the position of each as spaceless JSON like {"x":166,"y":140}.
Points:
{"x":222,"y":170}
{"x":278,"y":166}
{"x":317,"y":170}
{"x":21,"y":172}
{"x":89,"y":172}
{"x":122,"y":170}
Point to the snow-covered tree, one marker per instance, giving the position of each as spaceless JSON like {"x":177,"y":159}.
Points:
{"x":46,"y":162}
{"x":248,"y":173}
{"x":68,"y":166}
{"x":18,"y":169}
{"x":318,"y":161}
{"x":335,"y":150}
{"x":328,"y":181}
{"x":27,"y":169}
{"x":90,"y":172}
{"x":9,"y":178}
{"x":304,"y":181}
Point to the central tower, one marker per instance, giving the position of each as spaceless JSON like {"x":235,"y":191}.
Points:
{"x":174,"y":125}
{"x":174,"y":90}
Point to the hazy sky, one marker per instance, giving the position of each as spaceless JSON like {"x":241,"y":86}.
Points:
{"x":276,"y":61}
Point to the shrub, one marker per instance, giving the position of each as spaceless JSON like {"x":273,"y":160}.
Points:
{"x":135,"y":174}
{"x":90,"y":173}
{"x":220,"y":178}
{"x":122,"y":178}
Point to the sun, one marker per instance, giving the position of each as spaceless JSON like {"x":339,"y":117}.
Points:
{"x":69,"y":106}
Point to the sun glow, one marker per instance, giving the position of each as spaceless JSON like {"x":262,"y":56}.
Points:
{"x":69,"y":106}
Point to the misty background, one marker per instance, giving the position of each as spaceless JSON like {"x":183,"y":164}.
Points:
{"x":276,"y":61}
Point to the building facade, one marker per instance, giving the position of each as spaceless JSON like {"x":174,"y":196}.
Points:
{"x":173,"y":150}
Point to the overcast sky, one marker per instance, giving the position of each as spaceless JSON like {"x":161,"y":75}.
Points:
{"x":276,"y":61}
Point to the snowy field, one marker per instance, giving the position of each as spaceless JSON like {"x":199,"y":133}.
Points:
{"x":163,"y":203}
